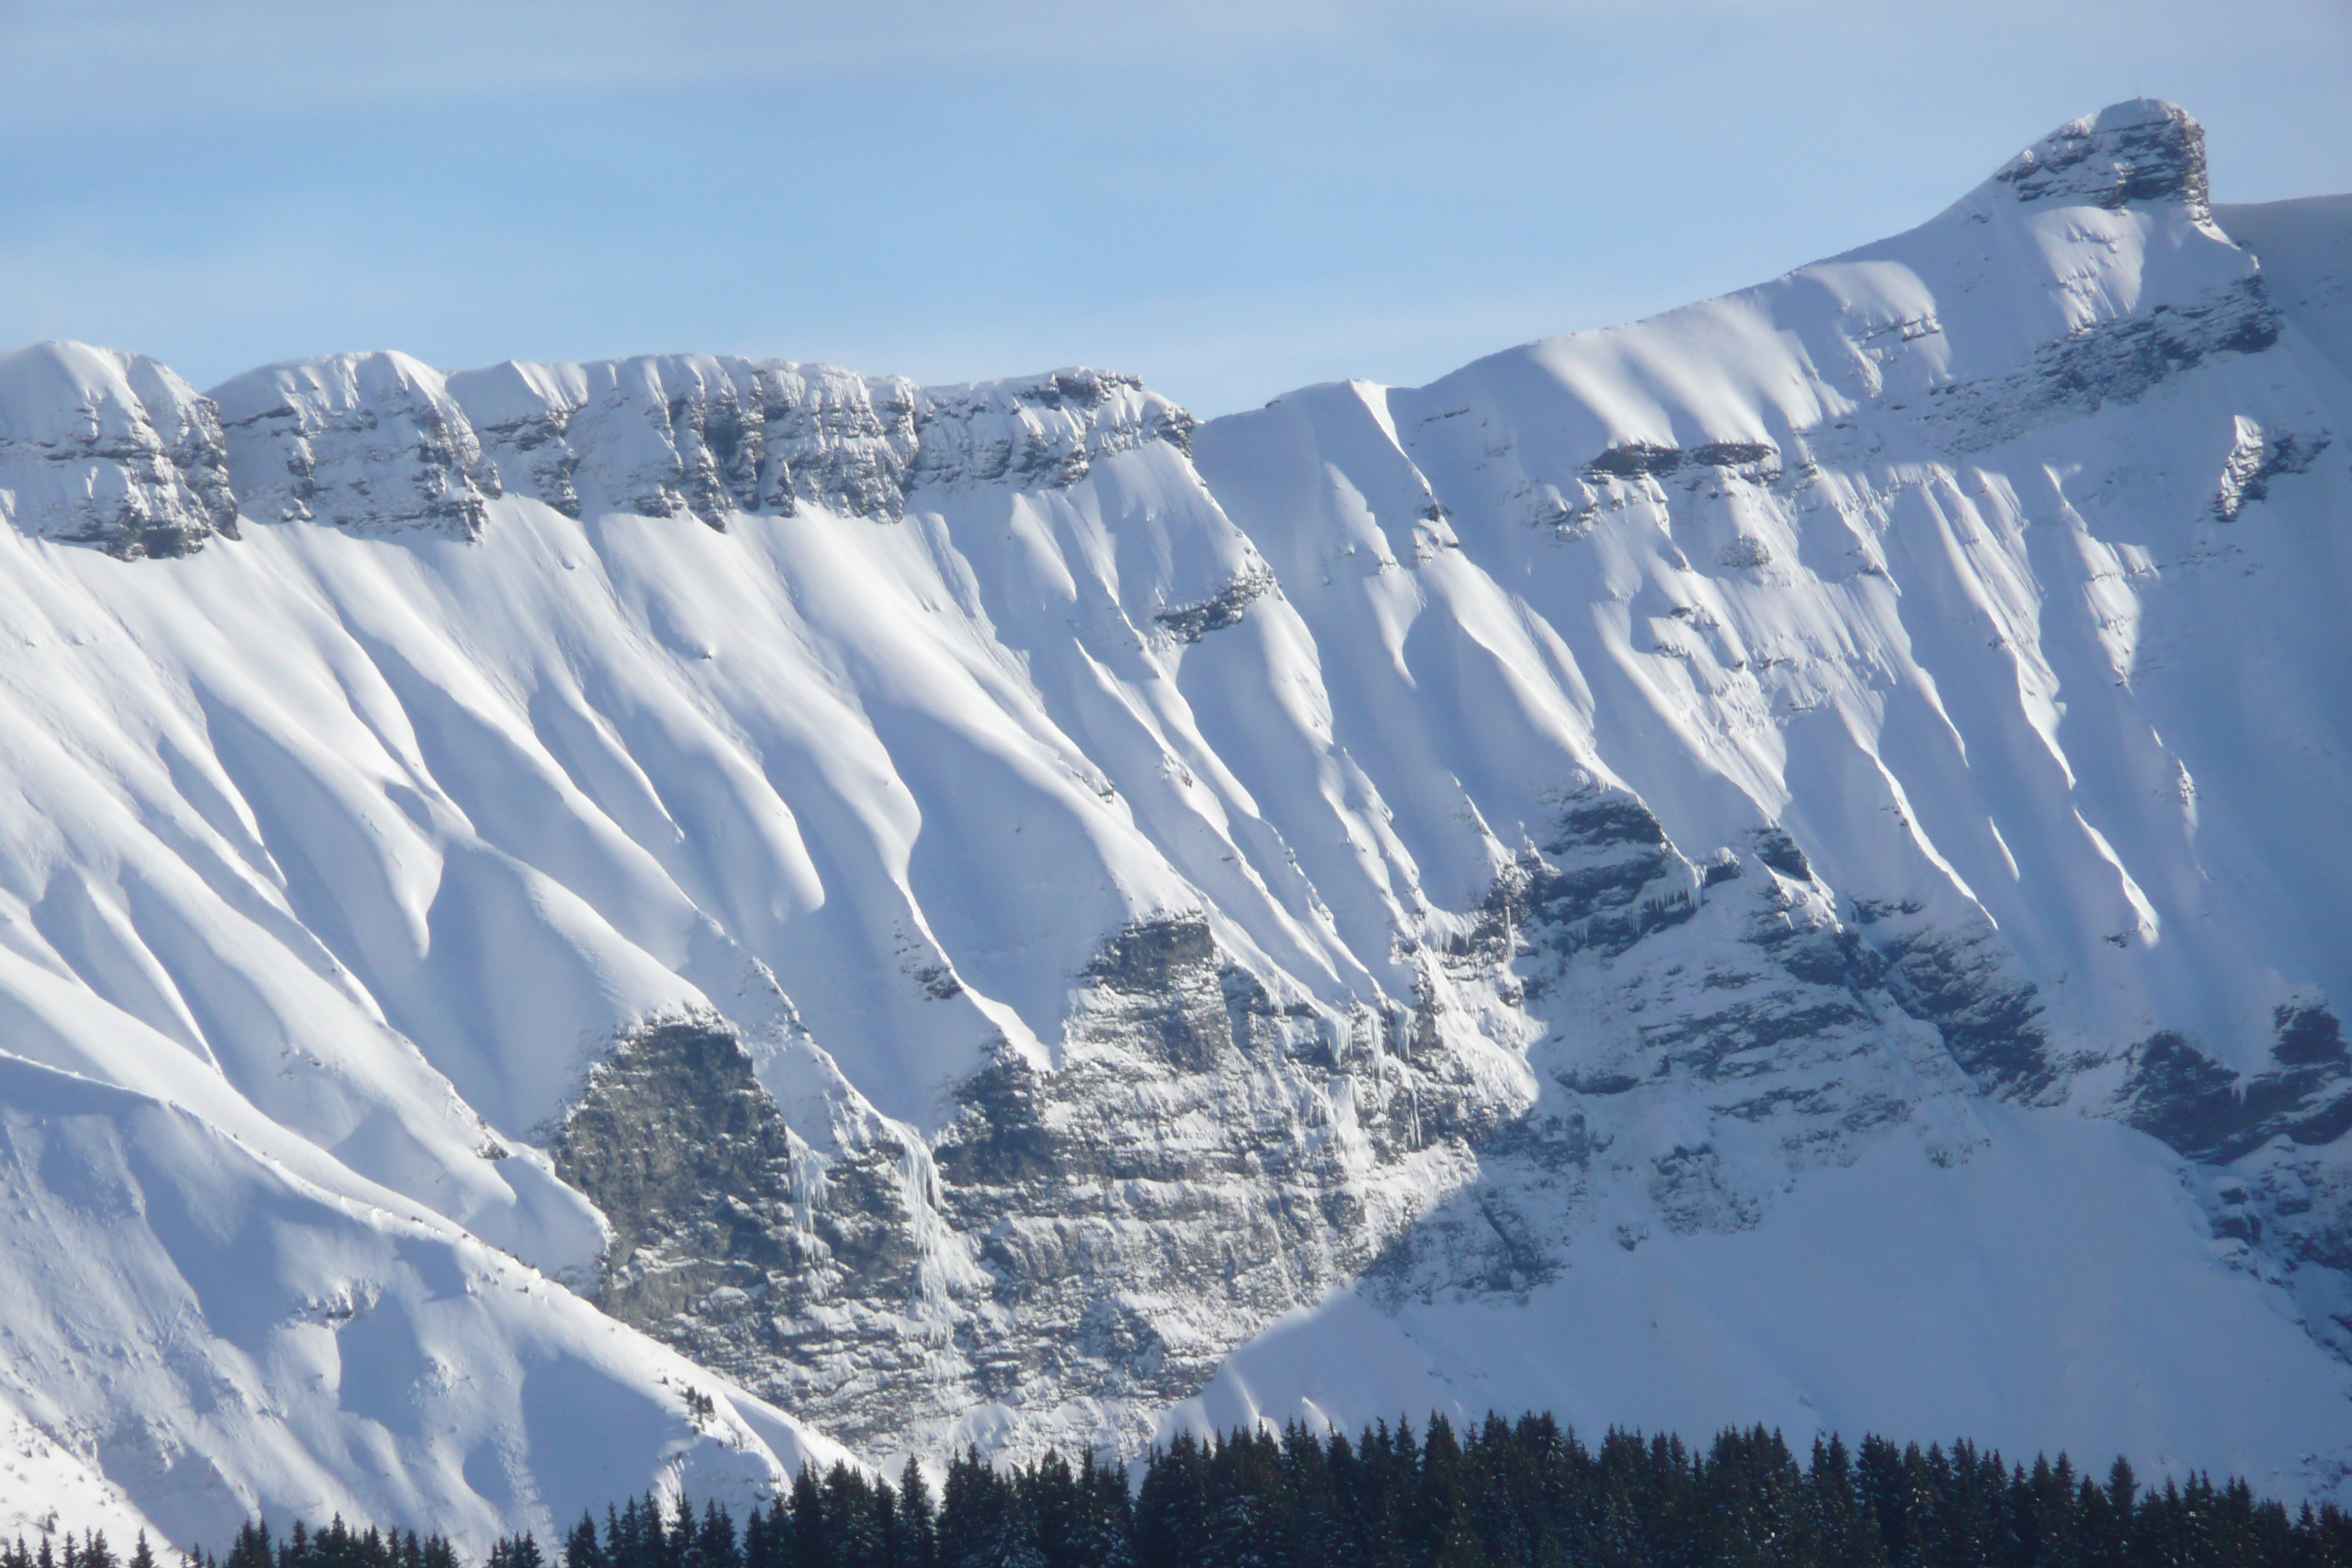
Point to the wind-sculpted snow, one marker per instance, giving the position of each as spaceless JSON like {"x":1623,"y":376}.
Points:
{"x":975,"y":913}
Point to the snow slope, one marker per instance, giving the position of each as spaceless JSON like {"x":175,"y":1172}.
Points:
{"x":220,"y":1332}
{"x":2000,"y":564}
{"x":2052,"y":1292}
{"x":964,"y":909}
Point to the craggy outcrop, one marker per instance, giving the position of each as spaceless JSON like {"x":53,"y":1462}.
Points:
{"x":112,"y":450}
{"x":371,"y":443}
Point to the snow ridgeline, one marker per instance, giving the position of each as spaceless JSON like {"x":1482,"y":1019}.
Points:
{"x":1780,"y":862}
{"x":114,"y":449}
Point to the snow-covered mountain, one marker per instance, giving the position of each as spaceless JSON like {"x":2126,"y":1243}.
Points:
{"x":1783,"y":862}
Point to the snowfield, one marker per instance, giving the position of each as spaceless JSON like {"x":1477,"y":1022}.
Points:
{"x":1787,"y":861}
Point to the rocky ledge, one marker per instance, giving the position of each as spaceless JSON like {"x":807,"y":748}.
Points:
{"x":112,"y":450}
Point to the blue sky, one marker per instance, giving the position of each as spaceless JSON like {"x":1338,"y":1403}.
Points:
{"x":1229,"y":198}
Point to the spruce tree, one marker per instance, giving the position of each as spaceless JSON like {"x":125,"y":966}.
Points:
{"x":812,"y":1543}
{"x":1171,"y":1508}
{"x":580,"y":1548}
{"x":917,"y":1519}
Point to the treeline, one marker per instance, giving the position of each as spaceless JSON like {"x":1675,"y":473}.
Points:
{"x":1501,"y":1495}
{"x":336,"y":1545}
{"x":91,"y":1552}
{"x":1523,"y":1496}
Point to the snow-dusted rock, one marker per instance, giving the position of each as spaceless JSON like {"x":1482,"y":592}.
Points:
{"x":372,"y":443}
{"x":111,"y":449}
{"x":1037,"y":432}
{"x":665,"y":436}
{"x":2141,"y":151}
{"x":658,"y":436}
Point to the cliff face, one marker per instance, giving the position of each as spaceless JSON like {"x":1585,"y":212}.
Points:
{"x":1780,"y":862}
{"x":112,"y":450}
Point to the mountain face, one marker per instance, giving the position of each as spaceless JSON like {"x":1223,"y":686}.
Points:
{"x":1782,"y":862}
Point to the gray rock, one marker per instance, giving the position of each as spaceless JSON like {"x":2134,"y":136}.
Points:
{"x":1225,"y":607}
{"x":704,"y":436}
{"x":2213,"y":1114}
{"x":2115,"y":362}
{"x":370,"y":443}
{"x":112,"y":450}
{"x":2144,"y":150}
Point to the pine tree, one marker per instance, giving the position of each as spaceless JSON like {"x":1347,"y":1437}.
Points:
{"x":853,"y":1526}
{"x":812,"y":1542}
{"x":918,"y":1521}
{"x":1237,"y":1526}
{"x":1049,"y":1495}
{"x":715,"y":1545}
{"x":1107,"y":1518}
{"x":1171,"y":1508}
{"x":580,"y":1548}
{"x":252,"y":1549}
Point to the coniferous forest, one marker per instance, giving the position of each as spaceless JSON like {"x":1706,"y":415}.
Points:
{"x":1525,"y":1494}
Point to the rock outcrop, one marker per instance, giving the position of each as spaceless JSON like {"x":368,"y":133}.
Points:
{"x":2142,"y":150}
{"x":694,"y":434}
{"x":371,"y":443}
{"x":112,"y":450}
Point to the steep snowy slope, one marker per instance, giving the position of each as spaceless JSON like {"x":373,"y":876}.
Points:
{"x":2001,"y":568}
{"x":2302,"y":247}
{"x":959,"y":909}
{"x":2053,"y":1290}
{"x":219,"y":1331}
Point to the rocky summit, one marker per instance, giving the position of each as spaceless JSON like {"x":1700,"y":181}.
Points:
{"x":565,"y":928}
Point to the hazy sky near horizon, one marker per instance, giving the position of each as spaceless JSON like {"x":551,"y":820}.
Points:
{"x":1228,"y":198}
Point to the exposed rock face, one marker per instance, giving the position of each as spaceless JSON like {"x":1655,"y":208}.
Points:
{"x":1083,"y":1247}
{"x":2117,"y":361}
{"x":1636,"y":457}
{"x":1225,"y":607}
{"x":1704,"y":1034}
{"x":116,"y":451}
{"x":810,"y":1274}
{"x":2258,"y":457}
{"x":1038,"y":431}
{"x":372,"y":443}
{"x":680,"y":435}
{"x":2279,"y":1192}
{"x":2212,"y":1114}
{"x":2143,"y":150}
{"x":1203,"y":1160}
{"x":112,"y":450}
{"x":702,"y":1182}
{"x":702,"y":436}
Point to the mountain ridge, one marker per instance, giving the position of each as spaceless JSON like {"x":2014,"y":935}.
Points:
{"x":1105,"y":922}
